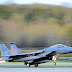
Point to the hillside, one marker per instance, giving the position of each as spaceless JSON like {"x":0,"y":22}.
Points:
{"x":35,"y":25}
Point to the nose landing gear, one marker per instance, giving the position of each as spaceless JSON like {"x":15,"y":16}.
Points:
{"x":54,"y":63}
{"x":54,"y":58}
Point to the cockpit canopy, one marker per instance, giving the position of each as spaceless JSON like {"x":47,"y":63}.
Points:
{"x":58,"y":46}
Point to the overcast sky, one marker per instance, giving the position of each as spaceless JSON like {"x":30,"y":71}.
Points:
{"x":56,"y":2}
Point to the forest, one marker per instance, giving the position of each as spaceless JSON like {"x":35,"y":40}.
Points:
{"x":36,"y":25}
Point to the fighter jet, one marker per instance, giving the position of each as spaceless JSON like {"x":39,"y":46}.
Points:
{"x":38,"y":57}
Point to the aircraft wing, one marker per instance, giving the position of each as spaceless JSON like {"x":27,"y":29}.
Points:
{"x":26,"y":54}
{"x":51,"y":53}
{"x":39,"y":54}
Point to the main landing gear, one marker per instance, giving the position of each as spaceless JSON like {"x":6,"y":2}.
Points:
{"x":36,"y":65}
{"x":28,"y":64}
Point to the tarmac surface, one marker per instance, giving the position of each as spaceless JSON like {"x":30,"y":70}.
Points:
{"x":22,"y":63}
{"x":38,"y":69}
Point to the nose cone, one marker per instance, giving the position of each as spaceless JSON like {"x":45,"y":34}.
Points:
{"x":70,"y":49}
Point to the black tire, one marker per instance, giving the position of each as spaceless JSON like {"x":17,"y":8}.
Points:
{"x":36,"y":65}
{"x":54,"y":63}
{"x":28,"y":65}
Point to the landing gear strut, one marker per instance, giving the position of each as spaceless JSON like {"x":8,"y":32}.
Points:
{"x":25,"y":63}
{"x":54,"y":58}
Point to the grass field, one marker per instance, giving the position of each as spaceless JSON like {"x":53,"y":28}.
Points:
{"x":39,"y":65}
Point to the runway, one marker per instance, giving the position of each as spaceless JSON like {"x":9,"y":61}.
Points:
{"x":36,"y":69}
{"x":39,"y":69}
{"x":22,"y":63}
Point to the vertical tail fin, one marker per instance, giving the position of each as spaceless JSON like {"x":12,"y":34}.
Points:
{"x":14,"y":49}
{"x":4,"y":50}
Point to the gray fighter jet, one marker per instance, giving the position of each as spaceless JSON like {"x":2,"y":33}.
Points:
{"x":35,"y":58}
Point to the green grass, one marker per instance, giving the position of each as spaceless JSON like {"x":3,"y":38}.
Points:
{"x":55,"y":65}
{"x":58,"y":61}
{"x":39,"y":65}
{"x":10,"y":64}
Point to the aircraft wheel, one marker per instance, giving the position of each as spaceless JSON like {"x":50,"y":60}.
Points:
{"x":54,"y":63}
{"x":36,"y":65}
{"x":28,"y":65}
